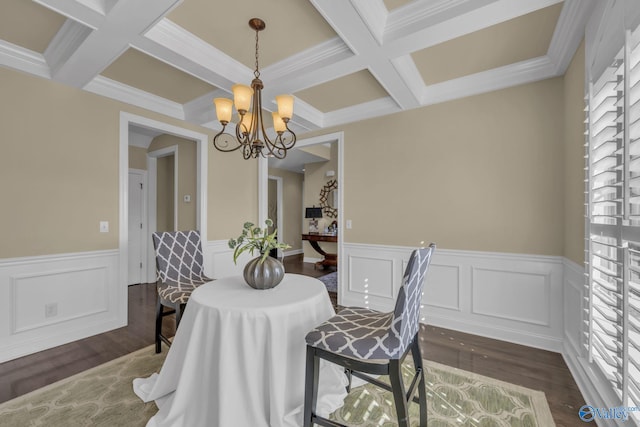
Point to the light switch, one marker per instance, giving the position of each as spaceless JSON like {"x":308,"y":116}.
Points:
{"x":104,"y":226}
{"x":187,"y":198}
{"x":349,"y":224}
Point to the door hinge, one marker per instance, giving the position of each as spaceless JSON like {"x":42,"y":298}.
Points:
{"x":141,"y":186}
{"x":140,"y":265}
{"x":140,"y":226}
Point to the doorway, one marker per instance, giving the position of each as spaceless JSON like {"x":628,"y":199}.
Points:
{"x":128,"y":120}
{"x":310,"y":196}
{"x":137,"y":225}
{"x":275,"y":210}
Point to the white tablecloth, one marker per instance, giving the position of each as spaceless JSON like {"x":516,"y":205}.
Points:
{"x":238,"y":358}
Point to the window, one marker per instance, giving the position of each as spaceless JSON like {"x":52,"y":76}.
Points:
{"x":613,"y":222}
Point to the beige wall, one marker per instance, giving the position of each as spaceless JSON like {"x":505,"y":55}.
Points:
{"x":137,"y":158}
{"x":165,"y":200}
{"x":481,"y":173}
{"x":493,"y":172}
{"x":187,"y":178}
{"x":292,"y":206}
{"x":60,"y":170}
{"x":574,"y":82}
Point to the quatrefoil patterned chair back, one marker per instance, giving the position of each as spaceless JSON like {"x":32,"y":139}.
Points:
{"x":367,"y":334}
{"x":406,"y":315}
{"x":179,"y":258}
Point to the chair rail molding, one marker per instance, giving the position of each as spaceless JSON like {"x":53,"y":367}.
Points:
{"x":52,"y":300}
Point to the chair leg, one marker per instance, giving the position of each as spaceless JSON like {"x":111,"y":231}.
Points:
{"x":159,"y":311}
{"x":310,"y":386}
{"x":399,"y":394}
{"x":422,"y":385}
{"x":179,"y":312}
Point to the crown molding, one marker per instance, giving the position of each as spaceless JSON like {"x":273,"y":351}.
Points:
{"x":569,"y":32}
{"x":364,"y":111}
{"x":120,"y":92}
{"x":387,"y":75}
{"x":408,"y":71}
{"x":416,"y":14}
{"x":474,"y":16}
{"x":487,"y":81}
{"x":19,"y":58}
{"x":306,"y":116}
{"x":201,"y":57}
{"x":408,"y":19}
{"x":201,"y":109}
{"x":85,"y":14}
{"x":318,"y":57}
{"x":374,"y":14}
{"x":66,"y":41}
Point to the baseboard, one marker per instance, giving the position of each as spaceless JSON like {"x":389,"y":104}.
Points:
{"x":293,"y":252}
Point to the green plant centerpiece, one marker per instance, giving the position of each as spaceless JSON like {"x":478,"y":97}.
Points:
{"x":264,"y":271}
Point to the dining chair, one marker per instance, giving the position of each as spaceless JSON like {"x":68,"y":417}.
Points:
{"x":367,"y":342}
{"x":179,"y":271}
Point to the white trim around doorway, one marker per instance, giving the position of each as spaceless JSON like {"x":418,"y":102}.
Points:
{"x":126,"y":120}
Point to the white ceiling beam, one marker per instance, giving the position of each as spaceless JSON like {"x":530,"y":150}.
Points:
{"x":418,"y":15}
{"x":569,"y":32}
{"x":366,"y":110}
{"x":19,"y":58}
{"x":374,"y":14}
{"x":77,"y":11}
{"x":94,"y":51}
{"x":349,"y":24}
{"x":173,"y":44}
{"x":115,"y":90}
{"x":486,"y":81}
{"x":402,"y":38}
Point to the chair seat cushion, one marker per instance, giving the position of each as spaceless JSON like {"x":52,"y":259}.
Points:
{"x":179,"y":292}
{"x":359,"y":333}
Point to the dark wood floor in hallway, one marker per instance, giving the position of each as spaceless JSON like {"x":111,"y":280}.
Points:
{"x":525,"y":366}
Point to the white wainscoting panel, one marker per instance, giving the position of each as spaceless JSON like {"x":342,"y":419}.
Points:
{"x":518,"y":286}
{"x":512,"y":297}
{"x":447,"y":297}
{"x":371,"y":276}
{"x":32,"y":293}
{"x":51,"y":300}
{"x":218,"y":260}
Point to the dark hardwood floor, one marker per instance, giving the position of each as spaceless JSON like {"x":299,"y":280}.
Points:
{"x":525,"y":366}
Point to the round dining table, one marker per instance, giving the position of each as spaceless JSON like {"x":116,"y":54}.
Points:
{"x":238,"y":357}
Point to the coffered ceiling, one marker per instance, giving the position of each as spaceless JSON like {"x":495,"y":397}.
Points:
{"x":343,"y":60}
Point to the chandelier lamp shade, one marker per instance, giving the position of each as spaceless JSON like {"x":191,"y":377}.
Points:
{"x":250,"y":135}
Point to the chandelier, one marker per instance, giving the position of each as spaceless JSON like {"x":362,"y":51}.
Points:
{"x":250,"y":134}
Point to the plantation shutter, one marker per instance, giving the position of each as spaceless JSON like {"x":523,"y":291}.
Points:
{"x":633,"y":321}
{"x":613,"y":222}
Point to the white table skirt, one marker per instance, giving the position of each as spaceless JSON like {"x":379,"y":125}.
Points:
{"x":238,"y":358}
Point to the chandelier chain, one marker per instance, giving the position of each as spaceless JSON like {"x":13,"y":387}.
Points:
{"x":256,"y":73}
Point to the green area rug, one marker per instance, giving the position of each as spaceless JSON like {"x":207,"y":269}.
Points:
{"x":103,"y":396}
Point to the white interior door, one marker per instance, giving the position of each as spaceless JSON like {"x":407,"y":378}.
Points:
{"x":137,"y":228}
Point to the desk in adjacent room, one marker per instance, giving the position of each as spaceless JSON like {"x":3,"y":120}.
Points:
{"x":329,"y":259}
